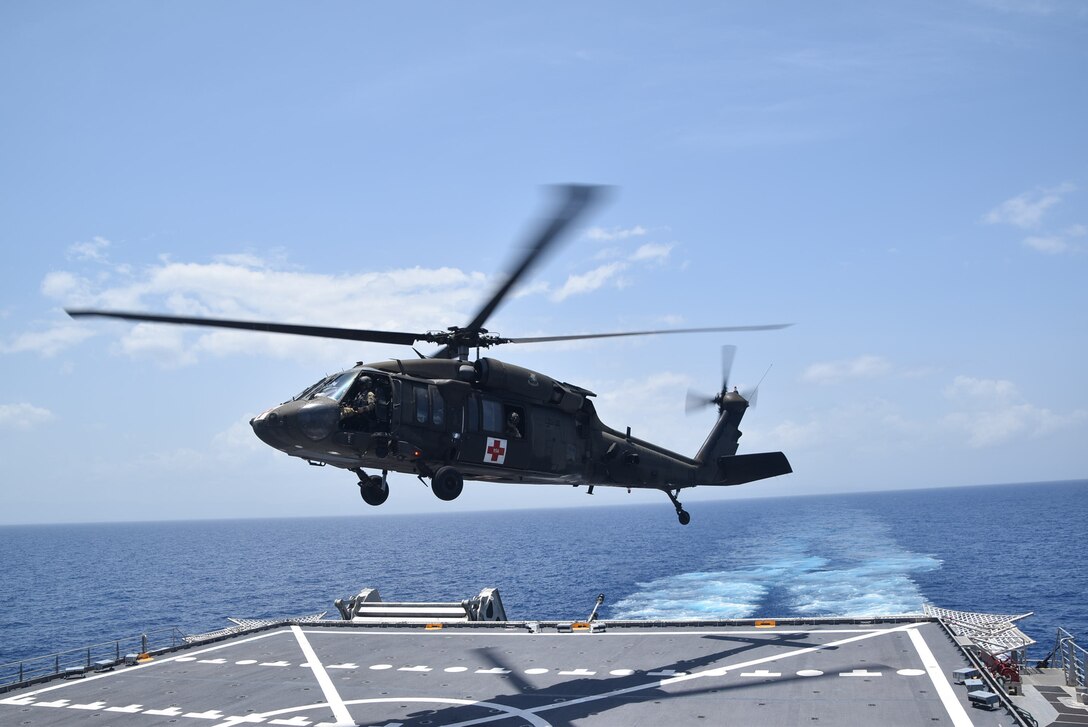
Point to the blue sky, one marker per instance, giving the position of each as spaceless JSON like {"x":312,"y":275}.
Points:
{"x":906,"y":182}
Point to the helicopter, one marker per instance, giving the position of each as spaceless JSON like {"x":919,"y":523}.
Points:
{"x":445,"y":418}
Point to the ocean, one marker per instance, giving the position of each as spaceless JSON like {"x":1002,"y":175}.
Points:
{"x":999,"y":549}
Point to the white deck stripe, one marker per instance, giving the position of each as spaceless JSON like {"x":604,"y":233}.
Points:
{"x":718,"y":671}
{"x":940,"y":681}
{"x":156,"y":661}
{"x":339,"y":711}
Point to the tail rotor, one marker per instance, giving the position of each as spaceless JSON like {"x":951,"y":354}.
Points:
{"x":696,"y":401}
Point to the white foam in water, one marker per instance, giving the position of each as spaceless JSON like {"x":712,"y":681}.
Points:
{"x":693,"y":595}
{"x":873,"y":587}
{"x":851,"y":569}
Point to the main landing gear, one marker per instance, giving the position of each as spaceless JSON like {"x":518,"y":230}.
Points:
{"x":447,"y":483}
{"x":373,"y":489}
{"x":681,"y":514}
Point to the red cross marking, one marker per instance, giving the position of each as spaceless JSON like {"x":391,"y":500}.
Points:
{"x":495,"y":450}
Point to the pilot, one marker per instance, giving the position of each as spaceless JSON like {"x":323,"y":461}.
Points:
{"x":512,"y":425}
{"x":364,"y":403}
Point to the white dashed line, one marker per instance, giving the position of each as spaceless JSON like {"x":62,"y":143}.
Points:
{"x":129,"y":709}
{"x":92,"y":706}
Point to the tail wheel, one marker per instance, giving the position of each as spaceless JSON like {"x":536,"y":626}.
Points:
{"x":447,"y":483}
{"x":374,"y":490}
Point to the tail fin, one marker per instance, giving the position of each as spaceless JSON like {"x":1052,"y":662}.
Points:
{"x":723,"y":438}
{"x":718,"y":459}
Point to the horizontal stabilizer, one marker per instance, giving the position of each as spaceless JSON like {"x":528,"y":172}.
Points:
{"x":741,"y":468}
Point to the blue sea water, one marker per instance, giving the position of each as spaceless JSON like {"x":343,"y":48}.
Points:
{"x":1000,"y":549}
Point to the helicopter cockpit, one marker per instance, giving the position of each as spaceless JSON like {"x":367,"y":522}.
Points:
{"x":333,"y":387}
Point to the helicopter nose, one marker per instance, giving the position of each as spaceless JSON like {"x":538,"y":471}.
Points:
{"x":266,"y":424}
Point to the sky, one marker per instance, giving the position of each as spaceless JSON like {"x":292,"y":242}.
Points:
{"x":905,"y":182}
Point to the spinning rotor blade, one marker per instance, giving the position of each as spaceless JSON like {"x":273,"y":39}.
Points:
{"x":577,"y":199}
{"x":348,"y":334}
{"x":580,"y":336}
{"x":728,"y":354}
{"x":696,"y":401}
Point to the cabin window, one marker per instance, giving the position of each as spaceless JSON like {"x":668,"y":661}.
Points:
{"x":438,"y":407}
{"x":472,"y":414}
{"x":492,"y":411}
{"x":514,"y":422}
{"x":419,"y":394}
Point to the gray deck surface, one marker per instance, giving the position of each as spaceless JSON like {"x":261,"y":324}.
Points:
{"x":840,"y":674}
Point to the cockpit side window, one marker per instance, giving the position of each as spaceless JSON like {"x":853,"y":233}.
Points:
{"x":305,"y":393}
{"x":336,"y":386}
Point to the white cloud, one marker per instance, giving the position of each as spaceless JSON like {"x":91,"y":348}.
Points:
{"x":94,"y":250}
{"x":862,"y":367}
{"x":49,"y":342}
{"x":237,"y":439}
{"x":589,"y":281}
{"x":248,"y":287}
{"x":615,"y":233}
{"x":653,"y":251}
{"x":23,"y":416}
{"x":1053,"y":245}
{"x":1026,"y":210}
{"x":1019,"y":7}
{"x":1057,"y":244}
{"x":992,"y":411}
{"x":795,"y":435}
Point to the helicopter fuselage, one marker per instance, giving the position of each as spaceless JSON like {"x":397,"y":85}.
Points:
{"x":494,"y":422}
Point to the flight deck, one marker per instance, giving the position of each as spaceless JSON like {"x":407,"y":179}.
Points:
{"x":888,"y":671}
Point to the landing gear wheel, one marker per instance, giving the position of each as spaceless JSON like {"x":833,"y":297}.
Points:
{"x":374,"y":490}
{"x":447,"y":483}
{"x":681,"y":514}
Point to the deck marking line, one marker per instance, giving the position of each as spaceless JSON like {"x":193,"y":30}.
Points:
{"x":940,"y":682}
{"x":717,"y":671}
{"x":339,"y":711}
{"x":505,"y":709}
{"x":91,"y":707}
{"x":151,"y":664}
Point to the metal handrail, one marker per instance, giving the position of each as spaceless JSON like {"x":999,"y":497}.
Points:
{"x":104,"y":655}
{"x":1073,"y":658}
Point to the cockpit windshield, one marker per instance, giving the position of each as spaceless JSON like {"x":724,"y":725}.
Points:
{"x":333,"y":387}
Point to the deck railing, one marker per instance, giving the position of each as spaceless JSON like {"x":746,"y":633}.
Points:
{"x":1071,"y":657}
{"x":77,"y":662}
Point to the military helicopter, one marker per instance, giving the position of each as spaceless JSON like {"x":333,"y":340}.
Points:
{"x":447,"y":419}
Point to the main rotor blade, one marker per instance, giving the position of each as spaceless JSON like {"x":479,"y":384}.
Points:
{"x":715,"y":329}
{"x":577,"y":198}
{"x":729,"y":352}
{"x":348,"y":334}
